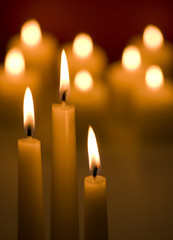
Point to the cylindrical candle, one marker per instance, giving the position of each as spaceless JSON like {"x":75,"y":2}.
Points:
{"x":95,"y":202}
{"x":153,"y":105}
{"x":122,"y":77}
{"x":64,"y":201}
{"x":154,"y":49}
{"x":30,"y":188}
{"x":83,"y":54}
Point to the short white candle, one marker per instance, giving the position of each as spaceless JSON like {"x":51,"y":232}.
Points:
{"x":95,"y":202}
{"x":153,"y":103}
{"x":122,"y":77}
{"x":64,"y":201}
{"x":87,"y":93}
{"x":39,"y":50}
{"x":154,"y":49}
{"x":14,"y":78}
{"x":84,"y":54}
{"x":30,"y":188}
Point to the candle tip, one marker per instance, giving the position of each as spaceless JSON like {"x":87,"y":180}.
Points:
{"x":95,"y":171}
{"x":29,"y":131}
{"x":64,"y":96}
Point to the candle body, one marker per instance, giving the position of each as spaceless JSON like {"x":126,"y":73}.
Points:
{"x":30,"y":190}
{"x":64,"y":207}
{"x":42,"y":58}
{"x":95,"y":207}
{"x":122,"y":85}
{"x":154,"y":111}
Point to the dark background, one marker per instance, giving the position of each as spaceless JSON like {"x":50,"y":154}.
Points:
{"x":139,"y":175}
{"x":110,"y":23}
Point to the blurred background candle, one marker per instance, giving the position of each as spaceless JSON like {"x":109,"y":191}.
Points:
{"x":122,"y":78}
{"x":64,"y":198}
{"x":39,"y":50}
{"x":95,"y":201}
{"x":30,"y":187}
{"x":154,"y":49}
{"x":154,"y":105}
{"x":84,"y":54}
{"x":14,"y":78}
{"x":91,"y":99}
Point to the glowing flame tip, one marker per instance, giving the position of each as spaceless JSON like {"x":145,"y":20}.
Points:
{"x":93,"y":153}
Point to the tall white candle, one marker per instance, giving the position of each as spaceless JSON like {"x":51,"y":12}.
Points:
{"x":95,"y":202}
{"x":30,"y":189}
{"x":64,"y":206}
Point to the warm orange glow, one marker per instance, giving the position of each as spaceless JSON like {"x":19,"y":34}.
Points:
{"x":64,"y":74}
{"x":154,"y":77}
{"x":83,"y":45}
{"x":31,"y":33}
{"x":14,"y":62}
{"x":28,"y":109}
{"x":131,"y":58}
{"x":94,"y":158}
{"x":83,"y":80}
{"x":152,"y":37}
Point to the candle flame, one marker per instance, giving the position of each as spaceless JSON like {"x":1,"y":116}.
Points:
{"x":83,"y":80}
{"x":93,"y":153}
{"x":83,"y":45}
{"x":31,"y":33}
{"x":28,"y":110}
{"x":152,"y":37}
{"x":154,"y":77}
{"x":14,"y":62}
{"x":64,"y":74}
{"x":131,"y":58}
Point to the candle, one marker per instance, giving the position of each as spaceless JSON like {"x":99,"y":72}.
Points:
{"x":64,"y":205}
{"x":83,"y":54}
{"x":95,"y":203}
{"x":39,"y":50}
{"x":88,"y":93}
{"x":153,"y":105}
{"x":154,"y":50}
{"x":14,"y":78}
{"x":122,"y":77}
{"x":30,"y":189}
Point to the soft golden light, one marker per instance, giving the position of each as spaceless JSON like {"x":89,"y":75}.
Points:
{"x":131,"y":58}
{"x":154,"y":77}
{"x":31,"y":33}
{"x":14,"y":62}
{"x":28,"y":110}
{"x":83,"y":80}
{"x":94,"y":158}
{"x":83,"y":45}
{"x":64,"y":74}
{"x":152,"y":37}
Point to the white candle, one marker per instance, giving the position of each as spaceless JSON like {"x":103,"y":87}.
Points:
{"x":154,"y":49}
{"x":14,"y":78}
{"x":87,"y":93}
{"x":30,"y":188}
{"x":83,"y":54}
{"x":95,"y":202}
{"x":64,"y":203}
{"x":153,"y":104}
{"x":122,"y":77}
{"x":39,"y":49}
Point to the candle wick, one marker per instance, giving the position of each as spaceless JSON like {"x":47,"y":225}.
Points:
{"x":95,"y":172}
{"x":64,"y":96}
{"x":29,"y":131}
